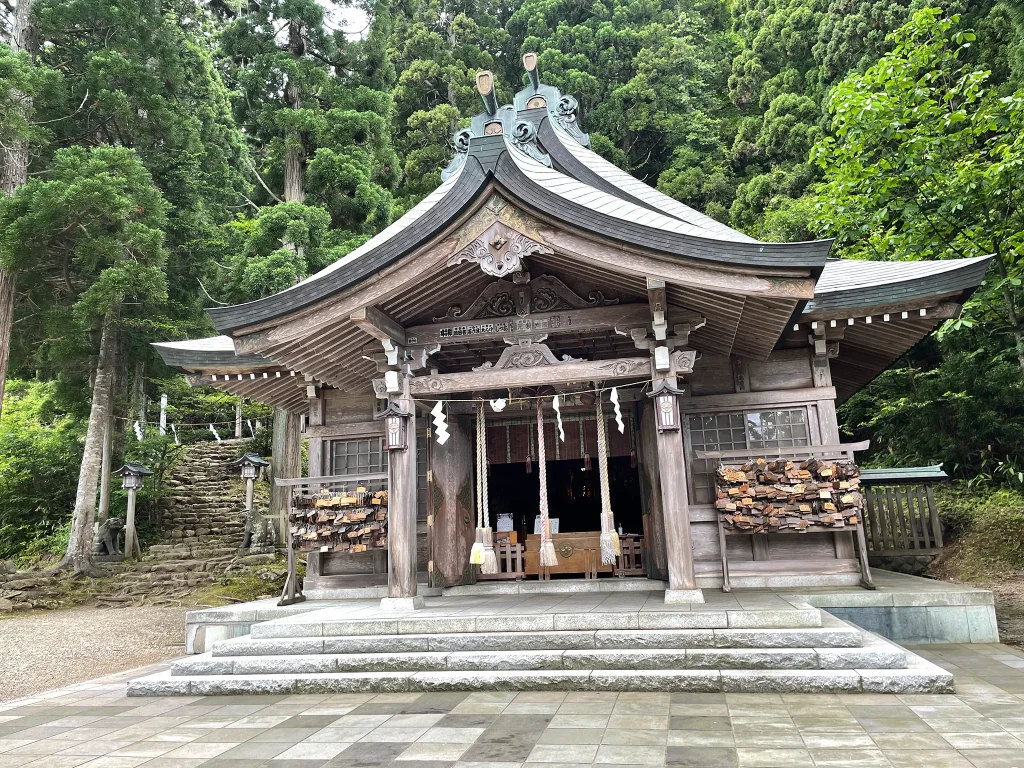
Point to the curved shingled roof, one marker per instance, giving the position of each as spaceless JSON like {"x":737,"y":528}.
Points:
{"x":550,"y":192}
{"x":847,"y":284}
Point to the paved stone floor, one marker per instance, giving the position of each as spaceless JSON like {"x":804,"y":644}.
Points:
{"x":94,"y":725}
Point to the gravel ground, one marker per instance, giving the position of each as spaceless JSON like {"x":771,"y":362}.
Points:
{"x":43,"y":650}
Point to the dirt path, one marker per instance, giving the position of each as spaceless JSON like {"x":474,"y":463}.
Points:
{"x":43,"y":650}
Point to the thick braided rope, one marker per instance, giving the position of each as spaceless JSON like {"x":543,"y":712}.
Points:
{"x":481,"y":466}
{"x":602,"y":459}
{"x":542,"y":462}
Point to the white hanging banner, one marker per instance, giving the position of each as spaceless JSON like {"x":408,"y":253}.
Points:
{"x":618,"y":410}
{"x":498,"y":405}
{"x":215,"y":434}
{"x":440,"y":423}
{"x":558,"y":418}
{"x":138,"y":431}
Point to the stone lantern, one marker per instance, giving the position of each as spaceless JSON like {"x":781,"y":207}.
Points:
{"x":250,"y":465}
{"x":132,"y":478}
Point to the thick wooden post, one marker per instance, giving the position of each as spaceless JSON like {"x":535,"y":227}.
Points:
{"x":316,"y":444}
{"x":682,"y":583}
{"x":451,"y":519}
{"x":402,"y":514}
{"x":650,"y":484}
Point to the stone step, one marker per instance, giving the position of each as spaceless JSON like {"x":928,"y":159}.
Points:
{"x":308,"y":625}
{"x":842,"y":636}
{"x":873,"y":655}
{"x":920,"y":676}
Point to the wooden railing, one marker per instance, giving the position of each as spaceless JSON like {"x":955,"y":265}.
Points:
{"x":510,"y":563}
{"x":902,"y":519}
{"x":630,"y":561}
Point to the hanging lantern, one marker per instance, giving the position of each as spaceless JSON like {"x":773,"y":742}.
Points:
{"x":396,"y":422}
{"x":667,"y":408}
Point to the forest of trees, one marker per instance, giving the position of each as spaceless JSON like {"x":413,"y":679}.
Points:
{"x":158,"y":157}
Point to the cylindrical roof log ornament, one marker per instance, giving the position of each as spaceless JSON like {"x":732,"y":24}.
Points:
{"x":485,"y":85}
{"x":530,"y":65}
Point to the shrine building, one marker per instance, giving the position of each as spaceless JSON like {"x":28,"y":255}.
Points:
{"x":423,"y":360}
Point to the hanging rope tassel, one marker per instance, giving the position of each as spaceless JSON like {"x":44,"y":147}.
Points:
{"x":548,"y":558}
{"x":609,"y":538}
{"x":490,"y":564}
{"x":476,"y":554}
{"x":487,"y":560}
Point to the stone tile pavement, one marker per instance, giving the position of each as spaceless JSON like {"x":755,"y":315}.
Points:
{"x":94,"y":725}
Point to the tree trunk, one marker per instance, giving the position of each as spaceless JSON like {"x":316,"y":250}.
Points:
{"x":286,"y":460}
{"x":14,"y":173}
{"x":79,"y":553}
{"x":7,"y":286}
{"x":108,"y":456}
{"x":137,"y":412}
{"x":286,"y":463}
{"x":294,"y":147}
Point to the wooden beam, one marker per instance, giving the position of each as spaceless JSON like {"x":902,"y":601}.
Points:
{"x":504,"y":378}
{"x":792,"y":283}
{"x":377,"y":324}
{"x":755,"y":453}
{"x":621,"y":316}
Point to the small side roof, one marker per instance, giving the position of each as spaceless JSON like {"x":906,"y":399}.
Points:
{"x":204,"y":354}
{"x":851,"y":283}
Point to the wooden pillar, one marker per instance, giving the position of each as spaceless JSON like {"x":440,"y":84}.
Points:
{"x":402,"y":513}
{"x":287,"y":463}
{"x":451,"y":519}
{"x":682,"y":583}
{"x":828,"y":422}
{"x":315,"y":465}
{"x":650,"y":485}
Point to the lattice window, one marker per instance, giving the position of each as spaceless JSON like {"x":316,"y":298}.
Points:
{"x":354,"y":457}
{"x":737,"y":431}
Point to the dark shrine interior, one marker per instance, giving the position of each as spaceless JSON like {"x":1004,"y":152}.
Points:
{"x":574,"y":495}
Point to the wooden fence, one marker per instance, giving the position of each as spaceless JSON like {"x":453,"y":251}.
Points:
{"x":902,"y":519}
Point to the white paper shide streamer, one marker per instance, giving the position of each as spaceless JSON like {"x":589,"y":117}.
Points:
{"x":440,"y":423}
{"x":498,"y":405}
{"x":618,"y":411}
{"x":138,"y":431}
{"x":558,"y":418}
{"x":212,"y":429}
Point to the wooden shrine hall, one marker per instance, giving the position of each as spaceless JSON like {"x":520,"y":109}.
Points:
{"x":428,"y":362}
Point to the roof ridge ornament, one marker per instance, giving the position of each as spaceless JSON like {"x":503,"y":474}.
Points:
{"x":461,"y":141}
{"x":567,"y":117}
{"x":524,"y":138}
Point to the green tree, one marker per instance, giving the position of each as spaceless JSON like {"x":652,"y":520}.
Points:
{"x":438,"y":47}
{"x":928,"y":162}
{"x":87,"y":242}
{"x":649,"y":78}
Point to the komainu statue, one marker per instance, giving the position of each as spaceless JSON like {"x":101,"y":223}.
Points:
{"x":105,"y":541}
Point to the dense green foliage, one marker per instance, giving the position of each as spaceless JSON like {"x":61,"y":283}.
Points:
{"x":163,"y":137}
{"x":987,"y":527}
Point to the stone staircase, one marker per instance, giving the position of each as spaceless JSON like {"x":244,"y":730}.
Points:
{"x":799,"y":649}
{"x":202,"y":529}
